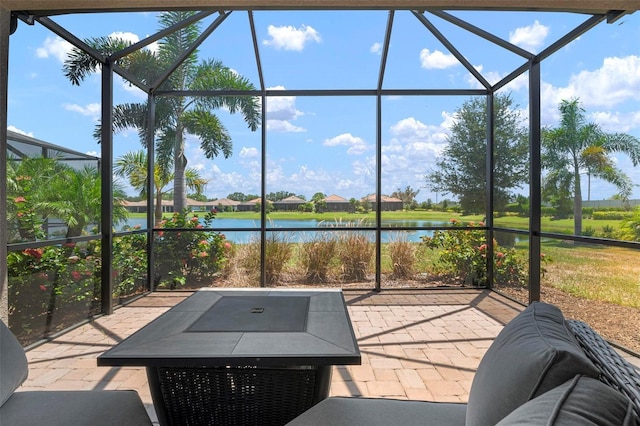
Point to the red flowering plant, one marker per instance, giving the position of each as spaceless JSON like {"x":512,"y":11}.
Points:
{"x":184,"y":253}
{"x":24,"y":223}
{"x":129,"y":264}
{"x":463,"y":253}
{"x":59,"y":282}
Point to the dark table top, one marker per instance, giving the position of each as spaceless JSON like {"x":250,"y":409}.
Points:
{"x":244,"y":327}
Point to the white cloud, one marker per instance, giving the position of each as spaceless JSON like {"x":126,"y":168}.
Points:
{"x":20,"y":131}
{"x":356,"y":144}
{"x":127,"y":36}
{"x":90,"y":110}
{"x":304,"y":180}
{"x":616,"y":122}
{"x":412,"y":150}
{"x":437,"y":59}
{"x":291,"y":38}
{"x":529,"y":38}
{"x":376,"y":48}
{"x":282,"y":126}
{"x":615,"y":82}
{"x":54,"y":47}
{"x":281,"y":110}
{"x":248,"y":152}
{"x":411,"y":129}
{"x":134,"y":38}
{"x":520,"y":82}
{"x":221,"y":180}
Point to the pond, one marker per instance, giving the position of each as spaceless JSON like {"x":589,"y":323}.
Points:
{"x":239,"y":236}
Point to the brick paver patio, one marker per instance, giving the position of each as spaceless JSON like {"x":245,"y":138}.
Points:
{"x":419,"y":345}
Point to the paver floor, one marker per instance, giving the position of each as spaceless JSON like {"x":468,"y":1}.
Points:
{"x":419,"y":345}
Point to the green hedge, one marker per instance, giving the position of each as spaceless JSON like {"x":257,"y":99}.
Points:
{"x":611,"y":215}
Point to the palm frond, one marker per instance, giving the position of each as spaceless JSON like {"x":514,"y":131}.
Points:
{"x":214,"y":137}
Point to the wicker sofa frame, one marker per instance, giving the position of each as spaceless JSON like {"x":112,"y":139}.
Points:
{"x":615,"y":371}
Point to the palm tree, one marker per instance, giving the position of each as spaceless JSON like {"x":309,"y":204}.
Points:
{"x":576,"y":146}
{"x":75,"y":198}
{"x":28,"y":184}
{"x":133,"y":166}
{"x":175,"y":116}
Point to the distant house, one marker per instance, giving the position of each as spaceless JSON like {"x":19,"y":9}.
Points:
{"x":135,"y":206}
{"x":335,"y":203}
{"x":386,"y":203}
{"x":249,"y":206}
{"x":192,"y":205}
{"x":198,"y":206}
{"x":224,"y":204}
{"x":141,"y":206}
{"x":288,"y":204}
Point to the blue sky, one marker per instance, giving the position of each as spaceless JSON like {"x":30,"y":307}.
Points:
{"x":327,"y":144}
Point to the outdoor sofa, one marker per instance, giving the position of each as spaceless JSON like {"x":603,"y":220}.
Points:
{"x":540,"y":370}
{"x":63,"y":408}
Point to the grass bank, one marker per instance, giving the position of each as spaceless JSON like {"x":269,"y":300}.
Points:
{"x":561,"y":226}
{"x":609,"y":274}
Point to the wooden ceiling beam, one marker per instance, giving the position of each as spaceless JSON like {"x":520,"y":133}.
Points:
{"x":73,"y":6}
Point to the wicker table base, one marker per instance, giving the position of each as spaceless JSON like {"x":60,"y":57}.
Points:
{"x":236,"y":396}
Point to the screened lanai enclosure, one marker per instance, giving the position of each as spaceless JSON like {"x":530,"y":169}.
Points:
{"x":371,"y":145}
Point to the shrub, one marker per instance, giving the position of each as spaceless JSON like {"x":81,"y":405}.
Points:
{"x":611,"y":215}
{"x":277,"y":254}
{"x":316,"y":255}
{"x":355,"y":253}
{"x":463,"y":252}
{"x":608,"y":231}
{"x":547,"y":211}
{"x":184,"y":252}
{"x":129,"y":264}
{"x":630,"y":228}
{"x":278,"y":251}
{"x":402,"y":253}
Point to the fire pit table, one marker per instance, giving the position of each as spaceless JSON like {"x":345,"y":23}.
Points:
{"x":241,"y":356}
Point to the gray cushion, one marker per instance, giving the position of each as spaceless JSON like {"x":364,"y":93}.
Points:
{"x":74,"y":408}
{"x":13,"y":363}
{"x":580,"y":401}
{"x":533,"y":353}
{"x":377,"y":411}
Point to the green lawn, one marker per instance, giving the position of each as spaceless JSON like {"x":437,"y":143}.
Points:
{"x":610,"y":274}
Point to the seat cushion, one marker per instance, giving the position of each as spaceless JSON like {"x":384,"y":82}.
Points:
{"x":13,"y":363}
{"x":78,"y":408}
{"x":377,"y":411}
{"x":580,"y":401}
{"x":534,"y":353}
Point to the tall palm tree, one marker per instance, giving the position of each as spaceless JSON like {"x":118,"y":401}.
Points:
{"x":175,"y":116}
{"x":577,"y":146}
{"x":133,"y":166}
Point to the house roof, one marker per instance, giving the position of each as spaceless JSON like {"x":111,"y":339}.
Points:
{"x":333,"y":198}
{"x":143,"y":203}
{"x":292,"y":200}
{"x":383,"y":198}
{"x":224,"y":202}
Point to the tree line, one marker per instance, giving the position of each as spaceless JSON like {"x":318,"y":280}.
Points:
{"x":574,"y":147}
